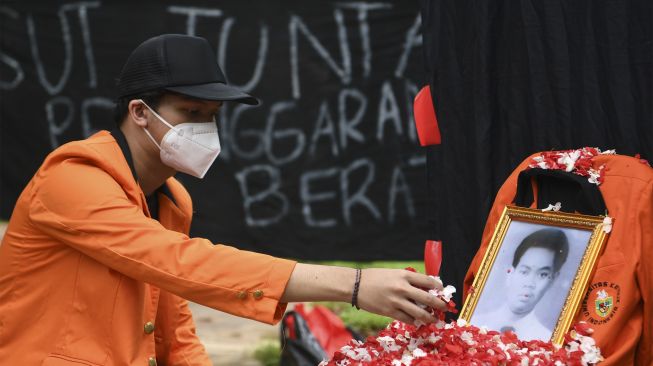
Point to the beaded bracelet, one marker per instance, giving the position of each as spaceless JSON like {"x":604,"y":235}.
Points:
{"x":354,"y":296}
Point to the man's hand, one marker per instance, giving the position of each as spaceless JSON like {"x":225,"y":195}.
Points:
{"x":391,"y":292}
{"x":396,"y":293}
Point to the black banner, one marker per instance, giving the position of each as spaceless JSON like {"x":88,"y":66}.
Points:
{"x":510,"y":78}
{"x":327,"y":168}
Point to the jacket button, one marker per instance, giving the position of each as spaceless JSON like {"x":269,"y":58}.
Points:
{"x":241,"y":295}
{"x":148,"y":327}
{"x":151,"y":361}
{"x":258,"y":294}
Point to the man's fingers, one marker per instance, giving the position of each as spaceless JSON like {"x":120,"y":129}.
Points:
{"x":417,"y":313}
{"x":421,"y":296}
{"x":427,"y":299}
{"x":424,"y":281}
{"x":438,"y":283}
{"x":403,"y":317}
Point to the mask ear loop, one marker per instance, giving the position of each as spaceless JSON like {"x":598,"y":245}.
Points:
{"x":151,"y":138}
{"x":157,"y":115}
{"x":160,"y":119}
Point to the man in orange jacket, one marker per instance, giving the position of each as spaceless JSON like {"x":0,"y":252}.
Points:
{"x":96,"y":264}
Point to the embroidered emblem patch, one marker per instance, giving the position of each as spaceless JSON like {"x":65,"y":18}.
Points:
{"x":601,"y":302}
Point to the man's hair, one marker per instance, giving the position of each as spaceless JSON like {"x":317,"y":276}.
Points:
{"x":552,"y":239}
{"x":151,"y":97}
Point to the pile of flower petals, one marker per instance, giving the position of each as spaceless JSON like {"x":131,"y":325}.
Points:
{"x":575,"y":161}
{"x":458,"y":343}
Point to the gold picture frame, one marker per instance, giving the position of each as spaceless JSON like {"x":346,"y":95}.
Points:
{"x":523,"y":269}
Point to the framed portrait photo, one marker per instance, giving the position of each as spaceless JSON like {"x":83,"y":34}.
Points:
{"x":534,"y":273}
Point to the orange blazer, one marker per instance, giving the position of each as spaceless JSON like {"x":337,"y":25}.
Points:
{"x":88,"y":278}
{"x":624,"y":270}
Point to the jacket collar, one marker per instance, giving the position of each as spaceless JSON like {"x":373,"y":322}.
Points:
{"x":162,"y":206}
{"x":124,"y":147}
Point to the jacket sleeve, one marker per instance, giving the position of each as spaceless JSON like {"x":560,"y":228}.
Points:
{"x":177,"y":343}
{"x":82,"y":206}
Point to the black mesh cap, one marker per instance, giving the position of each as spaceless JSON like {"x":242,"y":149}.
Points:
{"x":179,"y":63}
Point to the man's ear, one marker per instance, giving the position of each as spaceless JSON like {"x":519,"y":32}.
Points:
{"x":136,"y":111}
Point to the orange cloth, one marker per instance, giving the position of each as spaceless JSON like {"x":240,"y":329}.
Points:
{"x":83,"y":269}
{"x":624,"y":270}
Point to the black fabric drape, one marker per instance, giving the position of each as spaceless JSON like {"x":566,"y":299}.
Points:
{"x":510,"y":78}
{"x":574,"y":192}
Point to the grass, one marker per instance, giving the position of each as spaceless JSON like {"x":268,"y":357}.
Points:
{"x":268,"y":352}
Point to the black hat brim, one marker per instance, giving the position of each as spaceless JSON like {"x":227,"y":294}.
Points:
{"x":214,"y":91}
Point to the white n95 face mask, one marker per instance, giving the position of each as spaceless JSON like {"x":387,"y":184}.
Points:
{"x":189,"y":147}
